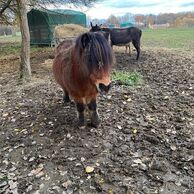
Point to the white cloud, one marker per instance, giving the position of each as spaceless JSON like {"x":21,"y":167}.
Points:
{"x":106,"y":8}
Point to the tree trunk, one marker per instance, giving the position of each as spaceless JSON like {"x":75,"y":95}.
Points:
{"x":25,"y":69}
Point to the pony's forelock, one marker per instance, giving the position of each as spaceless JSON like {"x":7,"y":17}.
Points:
{"x":95,"y":52}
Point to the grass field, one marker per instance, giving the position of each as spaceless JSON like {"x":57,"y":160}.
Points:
{"x":12,"y":44}
{"x":174,"y":38}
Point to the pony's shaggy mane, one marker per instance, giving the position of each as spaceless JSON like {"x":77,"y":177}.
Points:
{"x":93,"y":51}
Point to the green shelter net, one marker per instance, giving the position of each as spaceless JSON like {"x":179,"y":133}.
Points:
{"x":42,"y":23}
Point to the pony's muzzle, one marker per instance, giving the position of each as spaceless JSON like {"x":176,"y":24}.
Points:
{"x":103,"y":88}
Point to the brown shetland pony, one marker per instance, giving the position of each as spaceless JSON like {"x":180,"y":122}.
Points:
{"x":82,"y":69}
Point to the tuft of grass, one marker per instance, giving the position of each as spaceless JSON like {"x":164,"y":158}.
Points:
{"x":125,"y":78}
{"x":3,"y":178}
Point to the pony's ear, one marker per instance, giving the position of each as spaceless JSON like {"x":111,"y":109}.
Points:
{"x":91,"y":24}
{"x":85,"y":40}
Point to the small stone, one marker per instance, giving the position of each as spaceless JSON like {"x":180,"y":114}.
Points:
{"x":173,"y":147}
{"x":119,"y":127}
{"x":34,"y":143}
{"x":29,"y":188}
{"x":31,"y":159}
{"x":138,"y":161}
{"x":97,"y":164}
{"x":67,"y":184}
{"x":41,"y":186}
{"x":71,"y":158}
{"x":40,"y":174}
{"x":2,"y":184}
{"x":68,"y":135}
{"x":5,"y":114}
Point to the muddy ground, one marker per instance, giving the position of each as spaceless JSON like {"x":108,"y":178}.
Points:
{"x":144,"y":145}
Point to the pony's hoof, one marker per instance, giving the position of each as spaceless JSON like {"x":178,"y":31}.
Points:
{"x":81,"y":125}
{"x":66,"y":100}
{"x":95,"y":123}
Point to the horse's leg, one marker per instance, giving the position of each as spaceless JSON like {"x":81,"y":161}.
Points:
{"x":129,"y":49}
{"x":136,"y":44}
{"x":92,"y":106}
{"x":126,"y":48}
{"x":66,"y":97}
{"x":81,"y":117}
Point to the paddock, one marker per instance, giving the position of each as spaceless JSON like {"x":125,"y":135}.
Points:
{"x":146,"y":129}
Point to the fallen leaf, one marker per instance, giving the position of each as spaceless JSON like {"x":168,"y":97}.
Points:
{"x":36,"y":171}
{"x":66,"y":184}
{"x":134,"y":131}
{"x":166,"y":97}
{"x":5,"y":114}
{"x":138,"y":161}
{"x":89,"y":169}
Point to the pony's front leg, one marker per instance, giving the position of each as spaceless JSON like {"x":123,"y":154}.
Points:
{"x":81,"y":116}
{"x":66,"y":97}
{"x":92,"y":106}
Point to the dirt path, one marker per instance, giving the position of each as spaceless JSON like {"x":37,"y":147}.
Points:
{"x":145,"y":144}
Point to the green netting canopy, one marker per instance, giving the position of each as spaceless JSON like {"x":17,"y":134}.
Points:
{"x":126,"y":24}
{"x":42,"y":23}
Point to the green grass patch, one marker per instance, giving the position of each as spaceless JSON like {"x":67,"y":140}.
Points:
{"x":3,"y":178}
{"x":11,"y":45}
{"x":10,"y":39}
{"x":9,"y":48}
{"x":125,"y":78}
{"x":173,"y":38}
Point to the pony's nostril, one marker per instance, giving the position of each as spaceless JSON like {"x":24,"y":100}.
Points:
{"x":109,"y":86}
{"x":104,"y":88}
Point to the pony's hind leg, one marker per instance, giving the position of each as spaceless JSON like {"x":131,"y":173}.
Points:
{"x":92,"y":106}
{"x":129,"y":49}
{"x":81,"y":116}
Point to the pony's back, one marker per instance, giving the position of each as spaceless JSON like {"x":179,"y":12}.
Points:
{"x":62,"y":61}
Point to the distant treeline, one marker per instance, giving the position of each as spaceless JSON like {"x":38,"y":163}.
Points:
{"x":185,"y":19}
{"x":173,"y":19}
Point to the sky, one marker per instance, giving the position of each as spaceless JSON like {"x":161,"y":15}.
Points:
{"x":105,"y":8}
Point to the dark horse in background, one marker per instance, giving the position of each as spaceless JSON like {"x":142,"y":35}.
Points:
{"x":83,"y":70}
{"x":121,"y":36}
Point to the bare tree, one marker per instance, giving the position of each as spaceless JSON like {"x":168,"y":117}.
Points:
{"x":25,"y":69}
{"x":11,"y":9}
{"x":113,"y":20}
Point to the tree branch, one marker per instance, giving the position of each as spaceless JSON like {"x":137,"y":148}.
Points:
{"x":5,"y":7}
